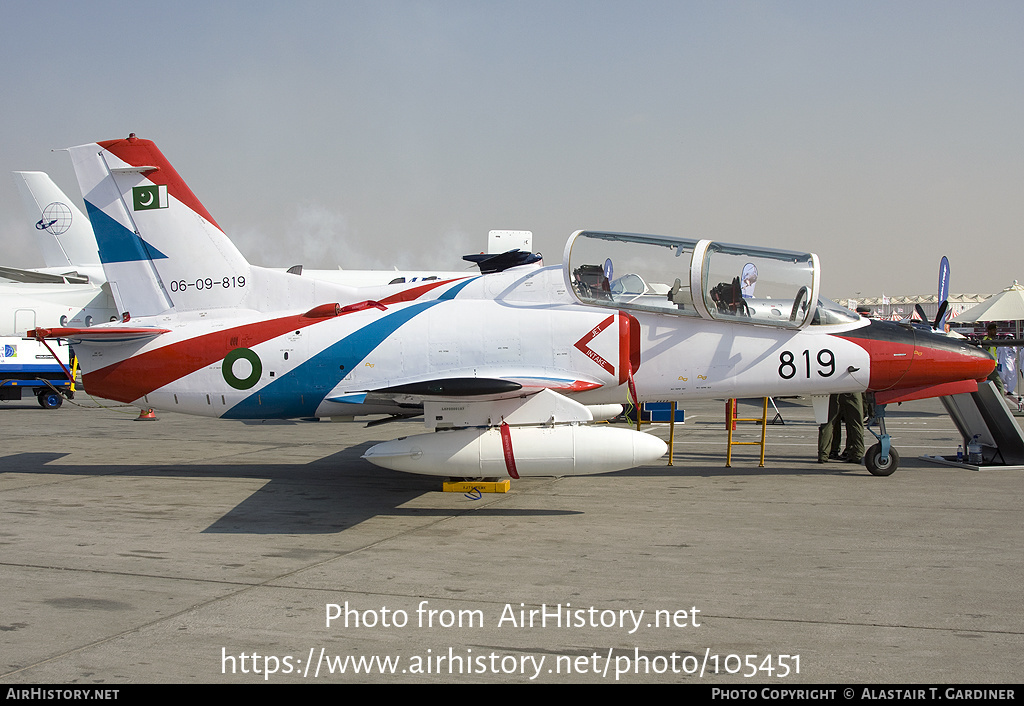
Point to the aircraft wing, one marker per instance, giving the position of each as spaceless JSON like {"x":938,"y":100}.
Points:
{"x":466,"y":388}
{"x":459,"y":388}
{"x":471,"y":392}
{"x":99,"y":334}
{"x":19,"y":275}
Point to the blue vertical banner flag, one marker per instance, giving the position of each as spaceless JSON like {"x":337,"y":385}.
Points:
{"x":943,"y":290}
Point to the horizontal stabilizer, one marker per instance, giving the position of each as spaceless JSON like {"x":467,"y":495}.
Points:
{"x":35,"y":277}
{"x":99,"y":334}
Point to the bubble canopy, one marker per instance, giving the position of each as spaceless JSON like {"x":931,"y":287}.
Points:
{"x":698,"y":278}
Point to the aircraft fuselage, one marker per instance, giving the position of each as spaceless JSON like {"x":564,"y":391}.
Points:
{"x":518,"y":327}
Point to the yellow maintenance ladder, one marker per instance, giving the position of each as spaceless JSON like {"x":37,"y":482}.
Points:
{"x":731,"y":419}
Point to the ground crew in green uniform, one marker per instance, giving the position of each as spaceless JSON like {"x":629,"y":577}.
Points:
{"x":828,"y":432}
{"x":848,"y":409}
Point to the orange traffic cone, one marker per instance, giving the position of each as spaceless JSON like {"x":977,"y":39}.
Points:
{"x":146,"y":415}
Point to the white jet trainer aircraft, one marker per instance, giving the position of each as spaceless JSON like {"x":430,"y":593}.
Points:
{"x":503,"y":366}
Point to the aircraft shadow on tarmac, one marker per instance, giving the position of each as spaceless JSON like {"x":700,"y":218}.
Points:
{"x":325,"y":496}
{"x":339,"y":491}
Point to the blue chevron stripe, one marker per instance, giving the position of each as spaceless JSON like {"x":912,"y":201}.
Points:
{"x":300,"y":391}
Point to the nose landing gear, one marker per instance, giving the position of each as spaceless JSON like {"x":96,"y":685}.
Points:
{"x":881,"y":459}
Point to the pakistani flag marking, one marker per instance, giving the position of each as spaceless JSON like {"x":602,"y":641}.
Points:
{"x":145,"y":198}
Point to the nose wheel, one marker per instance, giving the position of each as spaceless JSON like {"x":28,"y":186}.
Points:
{"x":880,"y":465}
{"x":881,"y":459}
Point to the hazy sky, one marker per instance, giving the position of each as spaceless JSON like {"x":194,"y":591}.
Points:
{"x":880,"y":135}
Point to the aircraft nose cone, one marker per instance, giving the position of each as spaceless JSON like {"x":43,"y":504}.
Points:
{"x":939,"y":359}
{"x":904,"y":357}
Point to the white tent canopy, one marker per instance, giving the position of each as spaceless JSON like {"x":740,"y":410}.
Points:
{"x":1008,"y":305}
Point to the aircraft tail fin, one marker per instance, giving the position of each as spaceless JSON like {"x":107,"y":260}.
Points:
{"x":159,"y":246}
{"x":62,"y":231}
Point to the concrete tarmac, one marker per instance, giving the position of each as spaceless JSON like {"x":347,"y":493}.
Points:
{"x":192,"y":550}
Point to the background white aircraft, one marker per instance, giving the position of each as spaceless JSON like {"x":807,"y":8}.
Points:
{"x":63,"y":234}
{"x":71,"y":289}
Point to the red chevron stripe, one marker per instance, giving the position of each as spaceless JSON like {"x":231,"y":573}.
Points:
{"x":141,"y":374}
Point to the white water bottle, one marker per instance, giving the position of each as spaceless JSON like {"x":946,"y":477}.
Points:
{"x":974,"y":451}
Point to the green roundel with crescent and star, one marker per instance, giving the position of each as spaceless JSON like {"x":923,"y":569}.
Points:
{"x":242,"y":368}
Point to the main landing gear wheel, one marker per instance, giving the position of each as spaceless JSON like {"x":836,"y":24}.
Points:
{"x":50,"y":400}
{"x":872,"y":459}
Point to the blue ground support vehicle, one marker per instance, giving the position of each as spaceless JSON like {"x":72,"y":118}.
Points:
{"x":28,"y":366}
